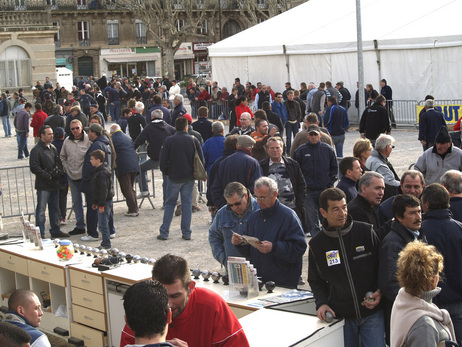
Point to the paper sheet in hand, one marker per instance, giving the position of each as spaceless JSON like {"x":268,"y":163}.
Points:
{"x":253,"y":241}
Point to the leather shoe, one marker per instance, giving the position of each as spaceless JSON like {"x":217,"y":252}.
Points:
{"x":77,"y":231}
{"x":160,"y":237}
{"x":59,"y":235}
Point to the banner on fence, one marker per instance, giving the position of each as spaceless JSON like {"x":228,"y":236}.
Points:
{"x":451,"y":112}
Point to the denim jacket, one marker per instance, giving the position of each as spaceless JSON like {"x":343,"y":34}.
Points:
{"x":221,"y":231}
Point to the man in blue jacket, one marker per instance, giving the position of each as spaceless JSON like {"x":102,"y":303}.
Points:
{"x":445,"y":234}
{"x":336,"y":121}
{"x":176,"y":162}
{"x":320,"y":169}
{"x":232,"y":217}
{"x":127,"y":167}
{"x":238,"y":167}
{"x":278,"y":107}
{"x":430,"y":124}
{"x":25,"y":312}
{"x":278,"y":256}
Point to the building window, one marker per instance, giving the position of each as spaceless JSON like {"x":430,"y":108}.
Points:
{"x":261,"y":3}
{"x":113,"y":32}
{"x":53,"y":4}
{"x":57,"y":41}
{"x":83,"y":29}
{"x":20,"y":5}
{"x":180,"y":24}
{"x":82,"y":4}
{"x":15,"y":69}
{"x":140,"y":30}
{"x":111,"y":4}
{"x":230,"y":28}
{"x":203,"y":29}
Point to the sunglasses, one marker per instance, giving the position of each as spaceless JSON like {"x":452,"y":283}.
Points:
{"x":235,"y":204}
{"x":75,"y":128}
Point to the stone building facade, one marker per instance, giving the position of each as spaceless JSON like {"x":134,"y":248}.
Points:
{"x":95,"y":37}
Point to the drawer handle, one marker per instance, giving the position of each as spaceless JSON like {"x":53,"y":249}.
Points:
{"x":86,"y":299}
{"x":88,"y":318}
{"x":45,"y":273}
{"x":85,"y":281}
{"x":86,"y":338}
{"x":10,"y":262}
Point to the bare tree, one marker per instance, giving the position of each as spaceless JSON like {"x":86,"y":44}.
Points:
{"x":254,"y":11}
{"x":172,"y":22}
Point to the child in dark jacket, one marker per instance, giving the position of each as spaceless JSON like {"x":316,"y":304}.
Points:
{"x":102,"y":194}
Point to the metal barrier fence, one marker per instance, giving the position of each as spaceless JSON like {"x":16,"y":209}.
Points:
{"x":404,"y":111}
{"x":19,"y":194}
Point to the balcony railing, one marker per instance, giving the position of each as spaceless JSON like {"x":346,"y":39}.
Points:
{"x":113,"y":40}
{"x":84,"y":43}
{"x":57,"y":44}
{"x":21,"y":19}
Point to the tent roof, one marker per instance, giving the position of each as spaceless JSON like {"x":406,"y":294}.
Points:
{"x":320,"y":26}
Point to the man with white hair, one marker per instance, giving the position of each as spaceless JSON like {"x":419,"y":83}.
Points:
{"x":452,"y":181}
{"x":279,"y":255}
{"x":179,"y":109}
{"x":136,"y":122}
{"x":245,"y":128}
{"x":154,"y":133}
{"x":378,"y":162}
{"x":127,"y":167}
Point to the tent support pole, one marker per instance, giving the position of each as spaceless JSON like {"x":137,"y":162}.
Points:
{"x":379,"y":62}
{"x":284,"y":49}
{"x":362,"y":100}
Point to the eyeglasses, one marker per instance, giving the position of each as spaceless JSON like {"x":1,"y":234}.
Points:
{"x":391,"y":146}
{"x":75,"y":128}
{"x":235,"y":204}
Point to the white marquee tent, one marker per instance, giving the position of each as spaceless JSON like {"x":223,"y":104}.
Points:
{"x":415,"y":44}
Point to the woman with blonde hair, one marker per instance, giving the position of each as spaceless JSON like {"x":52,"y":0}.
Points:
{"x":362,"y":150}
{"x":415,"y":320}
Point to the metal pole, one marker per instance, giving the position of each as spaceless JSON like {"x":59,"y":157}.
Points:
{"x":362,"y":100}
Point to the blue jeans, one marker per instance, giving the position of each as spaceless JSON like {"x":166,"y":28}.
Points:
{"x":455,"y":310}
{"x":103,"y":224}
{"x":114,"y":110}
{"x":370,"y":329}
{"x":22,"y":144}
{"x":92,"y":218}
{"x":312,"y":211}
{"x":291,"y":128}
{"x":338,"y":141}
{"x":186,"y":192}
{"x":6,"y":125}
{"x":77,"y":203}
{"x":50,"y":198}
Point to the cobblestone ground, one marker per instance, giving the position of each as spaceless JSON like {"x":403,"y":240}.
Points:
{"x":138,"y":235}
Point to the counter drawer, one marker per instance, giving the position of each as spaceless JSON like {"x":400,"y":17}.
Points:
{"x":14,"y":263}
{"x":47,"y":273}
{"x":83,"y":280}
{"x":88,"y":299}
{"x":89,"y":317}
{"x":91,"y":337}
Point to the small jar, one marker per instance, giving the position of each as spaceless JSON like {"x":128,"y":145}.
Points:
{"x":65,"y":250}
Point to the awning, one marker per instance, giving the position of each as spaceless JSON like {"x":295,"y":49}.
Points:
{"x":129,"y":59}
{"x":183,"y":57}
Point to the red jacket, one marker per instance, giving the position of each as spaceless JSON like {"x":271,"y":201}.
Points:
{"x":204,"y":96}
{"x":37,"y":121}
{"x":206,"y":321}
{"x":241,"y":108}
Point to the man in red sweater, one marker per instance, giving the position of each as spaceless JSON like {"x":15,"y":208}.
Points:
{"x":201,"y":317}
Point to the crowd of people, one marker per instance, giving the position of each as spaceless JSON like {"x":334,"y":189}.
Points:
{"x":358,"y":212}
